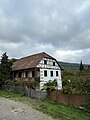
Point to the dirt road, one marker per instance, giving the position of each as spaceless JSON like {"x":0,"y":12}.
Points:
{"x":11,"y":110}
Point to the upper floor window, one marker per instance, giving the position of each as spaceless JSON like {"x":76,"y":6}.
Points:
{"x":51,"y":73}
{"x":56,"y":73}
{"x":45,"y":73}
{"x":53,"y":63}
{"x":45,"y":62}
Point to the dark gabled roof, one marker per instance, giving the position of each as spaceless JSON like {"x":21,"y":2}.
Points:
{"x":30,"y":61}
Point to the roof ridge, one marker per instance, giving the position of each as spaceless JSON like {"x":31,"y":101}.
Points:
{"x":30,"y":61}
{"x":33,"y":55}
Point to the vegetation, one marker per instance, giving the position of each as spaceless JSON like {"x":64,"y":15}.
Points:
{"x":77,"y":82}
{"x":56,"y":110}
{"x":50,"y":85}
{"x":30,"y":84}
{"x":81,"y":66}
{"x":5,"y":68}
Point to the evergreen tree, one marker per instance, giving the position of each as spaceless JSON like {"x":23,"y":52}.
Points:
{"x":5,"y":68}
{"x":81,"y":66}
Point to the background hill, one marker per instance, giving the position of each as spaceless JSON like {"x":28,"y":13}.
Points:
{"x":71,"y":66}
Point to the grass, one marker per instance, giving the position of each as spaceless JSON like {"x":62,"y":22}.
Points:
{"x":66,"y":112}
{"x":56,"y":110}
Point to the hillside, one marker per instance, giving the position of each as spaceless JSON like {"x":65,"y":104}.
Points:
{"x":71,"y":66}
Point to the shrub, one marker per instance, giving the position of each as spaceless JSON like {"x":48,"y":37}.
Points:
{"x":51,"y":85}
{"x":9,"y":82}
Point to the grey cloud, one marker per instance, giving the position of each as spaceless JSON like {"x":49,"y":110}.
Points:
{"x":44,"y":25}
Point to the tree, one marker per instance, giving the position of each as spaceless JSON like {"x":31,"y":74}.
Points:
{"x":81,"y":66}
{"x":5,"y":68}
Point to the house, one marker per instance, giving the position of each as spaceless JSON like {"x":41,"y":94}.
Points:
{"x":38,"y":67}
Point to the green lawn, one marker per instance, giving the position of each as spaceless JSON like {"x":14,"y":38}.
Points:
{"x":56,"y":110}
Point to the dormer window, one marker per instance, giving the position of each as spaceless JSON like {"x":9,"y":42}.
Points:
{"x":45,"y":62}
{"x":53,"y":63}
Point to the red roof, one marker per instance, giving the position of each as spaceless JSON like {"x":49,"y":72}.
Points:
{"x":29,"y":61}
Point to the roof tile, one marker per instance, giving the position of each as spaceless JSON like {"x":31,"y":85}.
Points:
{"x":29,"y":61}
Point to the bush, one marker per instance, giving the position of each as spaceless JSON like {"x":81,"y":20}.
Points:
{"x":29,"y":84}
{"x":9,"y":82}
{"x":51,"y":85}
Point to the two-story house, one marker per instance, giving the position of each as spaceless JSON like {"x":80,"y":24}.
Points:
{"x":41,"y":67}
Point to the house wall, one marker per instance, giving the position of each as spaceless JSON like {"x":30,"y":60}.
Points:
{"x":49,"y":67}
{"x":44,"y":79}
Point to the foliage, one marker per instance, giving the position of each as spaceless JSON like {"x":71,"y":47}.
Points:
{"x":50,"y":85}
{"x":29,"y":84}
{"x":9,"y":82}
{"x":78,"y":82}
{"x":13,"y":60}
{"x":5,"y":68}
{"x":74,"y":86}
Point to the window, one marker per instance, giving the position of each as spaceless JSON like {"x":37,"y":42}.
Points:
{"x":45,"y":62}
{"x":15,"y":74}
{"x":56,"y":73}
{"x":33,"y":73}
{"x":26,"y":74}
{"x":19,"y":74}
{"x":51,"y":73}
{"x":53,"y":63}
{"x":45,"y":73}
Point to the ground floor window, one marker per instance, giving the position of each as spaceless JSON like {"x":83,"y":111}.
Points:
{"x":15,"y":74}
{"x":33,"y":73}
{"x":20,"y":74}
{"x":45,"y":73}
{"x":51,"y":72}
{"x":56,"y":73}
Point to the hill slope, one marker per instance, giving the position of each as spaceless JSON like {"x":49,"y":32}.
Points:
{"x":71,"y":66}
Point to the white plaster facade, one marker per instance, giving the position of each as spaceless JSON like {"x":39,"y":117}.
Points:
{"x":53,"y":66}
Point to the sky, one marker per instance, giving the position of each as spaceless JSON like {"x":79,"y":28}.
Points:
{"x":60,"y":28}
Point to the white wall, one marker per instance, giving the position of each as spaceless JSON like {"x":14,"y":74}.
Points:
{"x":44,"y":80}
{"x":49,"y":64}
{"x":49,"y":67}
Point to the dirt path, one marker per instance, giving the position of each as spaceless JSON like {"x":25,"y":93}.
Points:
{"x":11,"y":110}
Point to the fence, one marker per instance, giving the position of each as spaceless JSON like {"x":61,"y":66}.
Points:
{"x":26,"y":91}
{"x":58,"y":96}
{"x":72,"y":99}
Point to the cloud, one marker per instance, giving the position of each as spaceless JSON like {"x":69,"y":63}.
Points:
{"x":59,"y":27}
{"x":75,"y":55}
